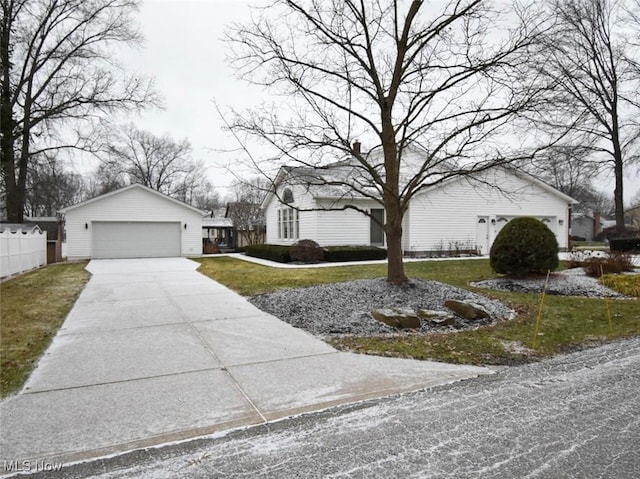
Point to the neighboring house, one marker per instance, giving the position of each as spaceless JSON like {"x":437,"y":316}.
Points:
{"x":217,"y":230}
{"x":590,"y":226}
{"x":632,"y":217}
{"x":248,"y":223}
{"x":587,"y":226}
{"x":241,"y":225}
{"x":458,"y":214}
{"x":132,"y":222}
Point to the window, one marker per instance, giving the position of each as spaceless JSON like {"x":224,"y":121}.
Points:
{"x":287,"y":196}
{"x":287,"y":223}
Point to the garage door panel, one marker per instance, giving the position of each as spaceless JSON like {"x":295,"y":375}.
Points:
{"x":135,"y":239}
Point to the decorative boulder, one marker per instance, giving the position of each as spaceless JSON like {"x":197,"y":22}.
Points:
{"x":437,"y":318}
{"x":466,"y":310}
{"x":402,"y":318}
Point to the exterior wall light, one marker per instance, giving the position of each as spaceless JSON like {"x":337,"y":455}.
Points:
{"x":86,"y":226}
{"x":185,"y":226}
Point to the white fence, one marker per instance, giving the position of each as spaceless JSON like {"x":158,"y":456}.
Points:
{"x":21,"y":251}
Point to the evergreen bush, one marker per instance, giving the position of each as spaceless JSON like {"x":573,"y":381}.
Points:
{"x":525,"y":245}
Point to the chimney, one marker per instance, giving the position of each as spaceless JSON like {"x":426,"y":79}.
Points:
{"x":356,"y":147}
{"x":597,"y":226}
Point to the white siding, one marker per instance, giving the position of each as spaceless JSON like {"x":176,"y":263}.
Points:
{"x":134,"y":204}
{"x":438,"y":218}
{"x":307,"y":223}
{"x":327,"y":228}
{"x":348,"y":227}
{"x":449,"y":214}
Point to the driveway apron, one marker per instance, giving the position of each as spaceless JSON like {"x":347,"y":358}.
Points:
{"x":154,"y":352}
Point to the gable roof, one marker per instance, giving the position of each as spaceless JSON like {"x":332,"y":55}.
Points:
{"x":519,"y":174}
{"x":217,"y":223}
{"x":318,"y":181}
{"x":128,"y":188}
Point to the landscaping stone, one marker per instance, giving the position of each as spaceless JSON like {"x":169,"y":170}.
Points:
{"x":402,"y":318}
{"x":466,"y":310}
{"x":431,"y":313}
{"x":437,"y":317}
{"x":345,"y":308}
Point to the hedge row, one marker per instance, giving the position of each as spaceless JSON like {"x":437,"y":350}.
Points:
{"x":624,"y":244}
{"x":271,"y":252}
{"x":282,"y":254}
{"x":353,"y":253}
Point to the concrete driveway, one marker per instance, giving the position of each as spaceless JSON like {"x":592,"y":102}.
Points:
{"x":154,"y":352}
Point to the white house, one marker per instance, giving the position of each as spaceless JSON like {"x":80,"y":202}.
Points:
{"x":132,"y":222}
{"x":461,"y":213}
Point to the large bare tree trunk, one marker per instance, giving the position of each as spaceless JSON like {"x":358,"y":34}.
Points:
{"x":14,"y":207}
{"x":391,"y":199}
{"x":618,"y":192}
{"x":395,"y":263}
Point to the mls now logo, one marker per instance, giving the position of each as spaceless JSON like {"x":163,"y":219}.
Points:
{"x":31,"y":466}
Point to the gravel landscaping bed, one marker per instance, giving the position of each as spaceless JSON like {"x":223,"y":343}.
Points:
{"x":344,"y":308}
{"x":571,"y":282}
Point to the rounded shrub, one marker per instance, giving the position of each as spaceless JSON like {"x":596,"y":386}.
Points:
{"x":306,"y":251}
{"x":525,"y":245}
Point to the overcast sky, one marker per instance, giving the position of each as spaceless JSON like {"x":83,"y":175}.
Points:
{"x":184,"y":51}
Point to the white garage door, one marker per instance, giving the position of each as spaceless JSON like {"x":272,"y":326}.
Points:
{"x":135,"y":240}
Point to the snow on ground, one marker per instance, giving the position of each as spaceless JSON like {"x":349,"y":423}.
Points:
{"x":344,"y":308}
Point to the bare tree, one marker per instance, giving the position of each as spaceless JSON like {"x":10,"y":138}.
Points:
{"x":205,"y":197}
{"x":107,"y":177}
{"x":589,"y":61}
{"x":245,"y":210}
{"x":158,"y":162}
{"x":50,"y":187}
{"x":571,"y":169}
{"x":58,"y":74}
{"x":445,"y":77}
{"x":635,"y":199}
{"x":252,"y":190}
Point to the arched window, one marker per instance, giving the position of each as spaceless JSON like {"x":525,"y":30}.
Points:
{"x":287,"y":196}
{"x":482,"y":221}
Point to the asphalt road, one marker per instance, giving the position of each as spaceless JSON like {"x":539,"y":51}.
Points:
{"x":574,"y":416}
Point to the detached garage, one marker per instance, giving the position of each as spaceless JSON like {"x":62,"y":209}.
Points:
{"x":132,"y":222}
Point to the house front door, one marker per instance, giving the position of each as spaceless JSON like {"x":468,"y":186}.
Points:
{"x":376,"y":232}
{"x":482,"y":235}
